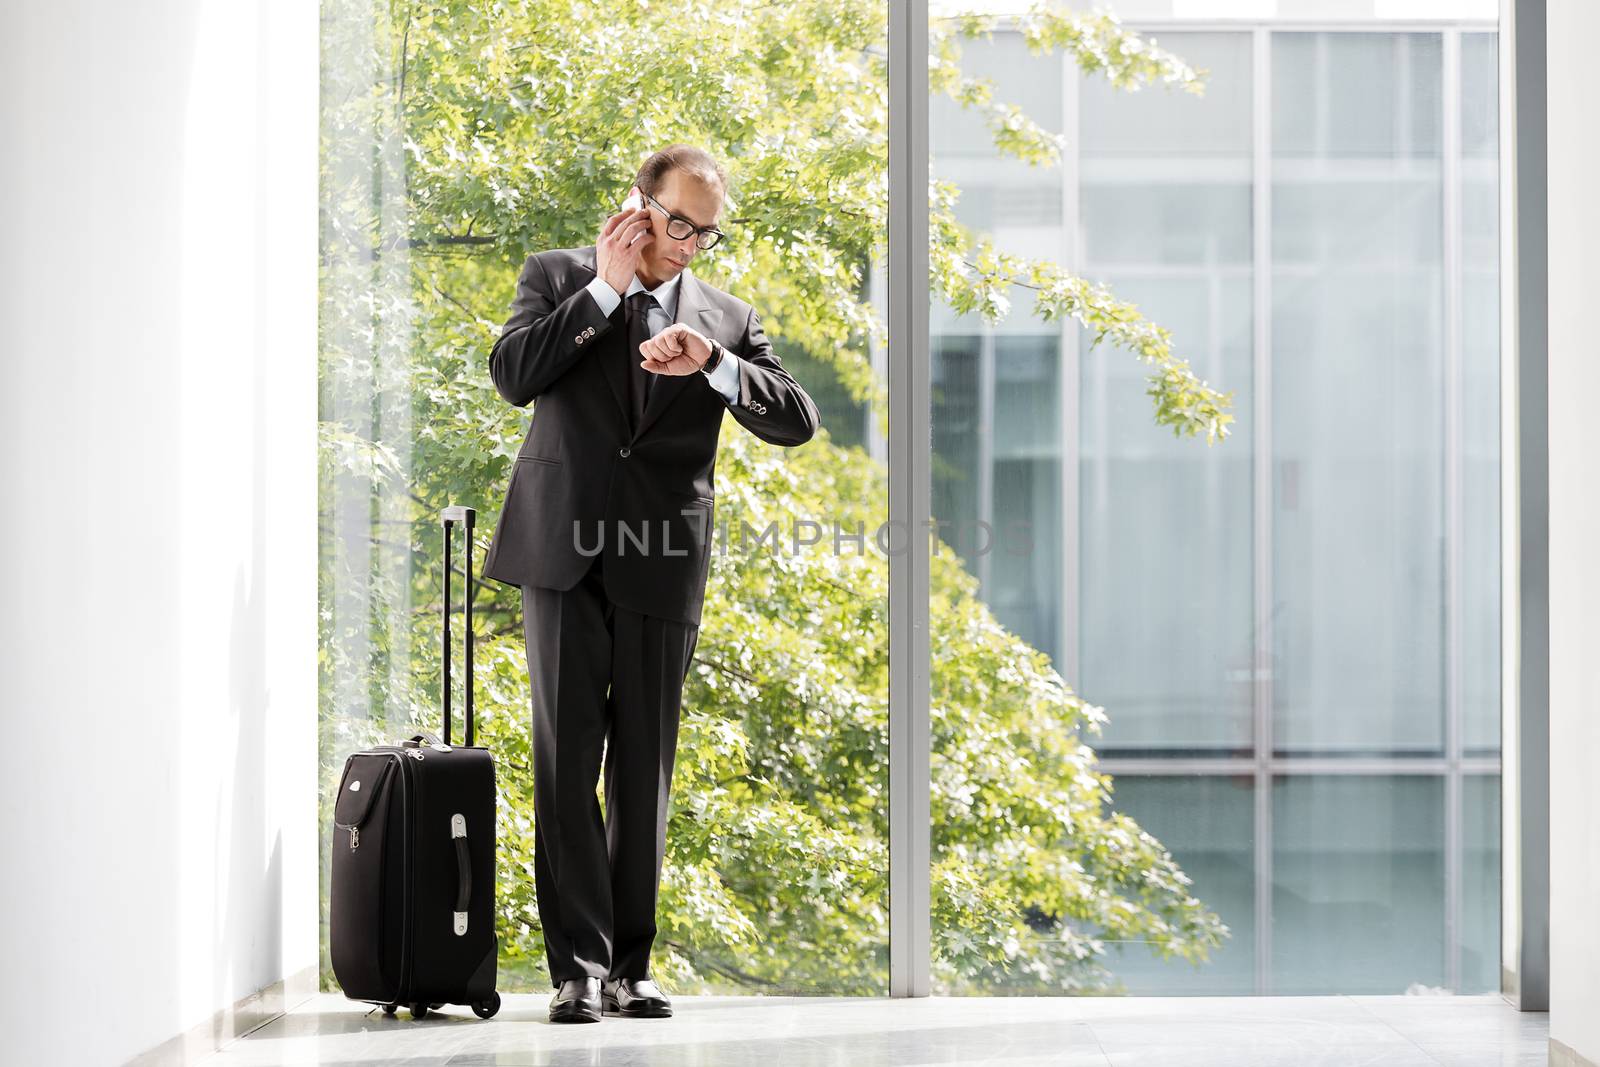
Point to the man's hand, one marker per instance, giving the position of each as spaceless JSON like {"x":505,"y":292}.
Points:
{"x":678,"y":349}
{"x":617,"y":249}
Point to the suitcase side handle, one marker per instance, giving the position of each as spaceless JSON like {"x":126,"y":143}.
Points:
{"x":449,"y":517}
{"x":458,"y":830}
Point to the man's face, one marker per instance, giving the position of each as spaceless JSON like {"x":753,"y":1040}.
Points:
{"x":681,"y":194}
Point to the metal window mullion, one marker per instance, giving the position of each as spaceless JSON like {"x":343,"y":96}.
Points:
{"x":1508,"y":426}
{"x":1068,"y":388}
{"x":1455,"y":526}
{"x":1291,"y":766}
{"x":1155,"y":25}
{"x":1261,"y":489}
{"x":1524,"y":133}
{"x":910,"y":829}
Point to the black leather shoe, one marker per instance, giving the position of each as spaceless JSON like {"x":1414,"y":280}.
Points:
{"x":635,"y":997}
{"x":577,"y":1001}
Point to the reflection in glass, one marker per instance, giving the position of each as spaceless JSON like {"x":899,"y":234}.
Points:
{"x":1166,"y":637}
{"x":1209,"y":823}
{"x":1479,"y":438}
{"x":1319,"y":593}
{"x":1357,"y":879}
{"x":1358,"y":395}
{"x":1480,"y":884}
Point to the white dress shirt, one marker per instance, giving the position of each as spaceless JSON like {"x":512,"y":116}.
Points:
{"x":725,"y":379}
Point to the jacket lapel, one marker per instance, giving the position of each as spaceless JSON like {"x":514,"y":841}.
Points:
{"x":693,"y":311}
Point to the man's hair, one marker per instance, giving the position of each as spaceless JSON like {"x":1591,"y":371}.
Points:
{"x":694,"y":162}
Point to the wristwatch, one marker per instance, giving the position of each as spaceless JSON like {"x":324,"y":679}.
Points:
{"x":715,"y":359}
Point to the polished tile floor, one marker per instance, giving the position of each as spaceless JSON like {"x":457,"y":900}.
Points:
{"x":1397,"y":1031}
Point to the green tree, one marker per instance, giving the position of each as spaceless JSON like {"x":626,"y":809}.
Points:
{"x":461,"y":136}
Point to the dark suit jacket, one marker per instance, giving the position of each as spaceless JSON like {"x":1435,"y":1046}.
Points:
{"x":645,"y":497}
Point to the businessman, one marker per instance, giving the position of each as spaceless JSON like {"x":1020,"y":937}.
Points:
{"x":630,"y":362}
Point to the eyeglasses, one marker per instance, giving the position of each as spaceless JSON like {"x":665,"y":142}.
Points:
{"x":679,"y":227}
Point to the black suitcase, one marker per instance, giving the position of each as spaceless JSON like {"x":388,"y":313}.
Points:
{"x":412,"y":917}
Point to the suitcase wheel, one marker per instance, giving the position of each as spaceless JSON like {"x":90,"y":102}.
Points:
{"x":419,"y":1010}
{"x":485,"y":1009}
{"x":390,"y":1009}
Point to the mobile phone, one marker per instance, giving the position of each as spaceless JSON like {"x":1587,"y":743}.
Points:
{"x":633,"y":203}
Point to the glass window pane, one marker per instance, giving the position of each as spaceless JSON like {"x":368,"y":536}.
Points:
{"x":957,"y":434}
{"x":997,"y":462}
{"x":1358,"y":389}
{"x":1166,"y":638}
{"x":1209,"y":825}
{"x":1480,"y":884}
{"x":1025,"y":587}
{"x":1480,"y":396}
{"x":1357,"y":883}
{"x":454,"y":151}
{"x":1374,"y":523}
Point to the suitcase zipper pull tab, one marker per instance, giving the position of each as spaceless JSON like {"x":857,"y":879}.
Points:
{"x":355,"y":838}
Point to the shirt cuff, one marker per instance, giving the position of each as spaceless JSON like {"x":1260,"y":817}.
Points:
{"x":725,"y":378}
{"x":604,"y":296}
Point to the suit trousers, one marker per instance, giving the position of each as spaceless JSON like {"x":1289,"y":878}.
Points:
{"x":601,"y":675}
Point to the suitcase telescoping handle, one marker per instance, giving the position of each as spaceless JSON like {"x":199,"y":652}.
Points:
{"x":452,"y":515}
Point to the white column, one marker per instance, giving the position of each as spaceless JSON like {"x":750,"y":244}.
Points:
{"x":158,"y":283}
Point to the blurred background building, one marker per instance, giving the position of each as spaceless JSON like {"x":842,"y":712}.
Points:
{"x":1295,"y":632}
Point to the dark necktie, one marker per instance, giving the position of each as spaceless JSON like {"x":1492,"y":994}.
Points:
{"x":639,"y":379}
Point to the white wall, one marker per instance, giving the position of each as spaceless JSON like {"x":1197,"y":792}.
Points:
{"x":1574,"y":160}
{"x":157,"y":477}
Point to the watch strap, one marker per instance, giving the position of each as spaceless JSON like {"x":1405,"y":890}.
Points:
{"x":715,"y":360}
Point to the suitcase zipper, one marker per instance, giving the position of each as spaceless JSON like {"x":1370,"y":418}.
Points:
{"x":354,"y":828}
{"x":407,"y":820}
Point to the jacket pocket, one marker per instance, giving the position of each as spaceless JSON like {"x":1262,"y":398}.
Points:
{"x":539,"y":459}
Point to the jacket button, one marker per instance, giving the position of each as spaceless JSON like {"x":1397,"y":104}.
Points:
{"x":623,"y":452}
